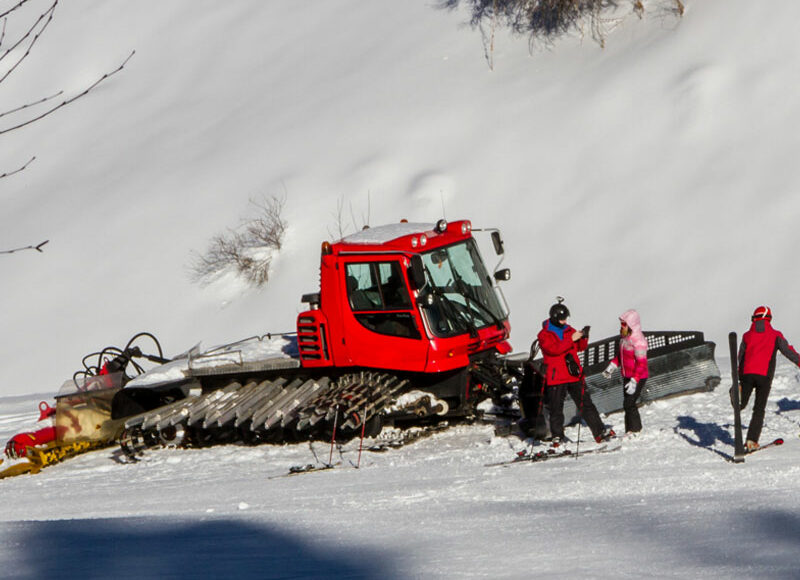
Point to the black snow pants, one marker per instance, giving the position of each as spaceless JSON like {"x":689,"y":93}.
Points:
{"x":633,"y":422}
{"x":762,"y":386}
{"x":555,"y":396}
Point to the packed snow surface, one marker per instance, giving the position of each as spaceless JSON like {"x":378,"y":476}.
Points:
{"x":666,"y":505}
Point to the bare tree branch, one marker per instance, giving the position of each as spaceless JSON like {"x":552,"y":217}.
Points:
{"x":10,"y":10}
{"x":3,"y":32}
{"x":70,"y":100}
{"x":48,"y":14}
{"x":33,"y":104}
{"x":31,"y":36}
{"x":37,"y":247}
{"x":9,"y":173}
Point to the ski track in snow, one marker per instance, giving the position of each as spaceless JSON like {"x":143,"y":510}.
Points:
{"x":666,"y":505}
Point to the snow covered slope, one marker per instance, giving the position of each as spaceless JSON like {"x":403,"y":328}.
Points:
{"x":657,"y":173}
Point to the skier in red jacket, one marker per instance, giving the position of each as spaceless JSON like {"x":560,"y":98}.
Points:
{"x":757,"y":354}
{"x":560,"y":344}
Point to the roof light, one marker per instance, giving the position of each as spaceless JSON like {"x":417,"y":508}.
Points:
{"x":441,"y":226}
{"x":423,"y":239}
{"x":466,"y":227}
{"x":326,"y":249}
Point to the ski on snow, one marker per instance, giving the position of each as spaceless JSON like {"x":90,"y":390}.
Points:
{"x":778,"y":441}
{"x":526,"y":457}
{"x":309,"y":468}
{"x":732,"y":458}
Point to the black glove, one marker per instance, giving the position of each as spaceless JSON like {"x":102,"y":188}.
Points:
{"x":585,"y":331}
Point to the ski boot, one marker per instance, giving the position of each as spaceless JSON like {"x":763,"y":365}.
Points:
{"x":606,"y":435}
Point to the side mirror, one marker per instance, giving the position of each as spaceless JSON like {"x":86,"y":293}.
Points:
{"x":417,"y":272}
{"x":503,"y":275}
{"x":313,"y":300}
{"x":497,"y":240}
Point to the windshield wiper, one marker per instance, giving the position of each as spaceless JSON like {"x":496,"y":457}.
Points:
{"x":463,"y":287}
{"x":455,"y":312}
{"x":452,"y":310}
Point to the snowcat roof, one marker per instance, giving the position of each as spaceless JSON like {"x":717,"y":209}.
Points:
{"x":404,"y":237}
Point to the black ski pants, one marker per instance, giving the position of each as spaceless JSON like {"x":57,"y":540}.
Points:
{"x":762,"y":386}
{"x":555,"y":396}
{"x":633,"y":422}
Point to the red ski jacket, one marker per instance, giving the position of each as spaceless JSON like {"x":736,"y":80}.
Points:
{"x":556,"y":349}
{"x":759,"y":346}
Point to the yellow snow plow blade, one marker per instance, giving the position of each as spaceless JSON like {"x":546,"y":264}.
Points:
{"x":39,"y":457}
{"x":18,"y":469}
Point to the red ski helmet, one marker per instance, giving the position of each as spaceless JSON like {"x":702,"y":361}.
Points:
{"x":762,"y":312}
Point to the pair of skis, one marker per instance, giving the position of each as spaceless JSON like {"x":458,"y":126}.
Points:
{"x":738,"y":444}
{"x":526,"y":456}
{"x":406,"y":437}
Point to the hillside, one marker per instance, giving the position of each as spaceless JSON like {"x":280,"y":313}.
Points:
{"x":655,"y":173}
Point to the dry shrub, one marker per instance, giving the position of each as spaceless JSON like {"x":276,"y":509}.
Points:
{"x":248,"y":249}
{"x":546,"y":20}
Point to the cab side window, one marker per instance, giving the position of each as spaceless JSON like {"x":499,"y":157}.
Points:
{"x":379,"y":298}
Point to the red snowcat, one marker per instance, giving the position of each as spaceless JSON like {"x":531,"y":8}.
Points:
{"x":408,"y":328}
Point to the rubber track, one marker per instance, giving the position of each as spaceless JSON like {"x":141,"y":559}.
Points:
{"x":266,"y":407}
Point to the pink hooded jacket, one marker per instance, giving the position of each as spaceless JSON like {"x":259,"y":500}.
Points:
{"x":632,"y":349}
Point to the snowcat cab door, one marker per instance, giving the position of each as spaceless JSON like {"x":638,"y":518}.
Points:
{"x":382,"y":327}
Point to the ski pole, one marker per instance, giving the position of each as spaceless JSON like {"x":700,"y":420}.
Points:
{"x":361,"y":443}
{"x":333,"y":437}
{"x":540,"y":410}
{"x":538,"y":415}
{"x":580,"y":416}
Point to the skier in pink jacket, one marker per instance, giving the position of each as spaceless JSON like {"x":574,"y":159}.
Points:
{"x":632,"y":362}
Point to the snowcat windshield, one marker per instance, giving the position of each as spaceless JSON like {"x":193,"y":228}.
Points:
{"x":465,"y":297}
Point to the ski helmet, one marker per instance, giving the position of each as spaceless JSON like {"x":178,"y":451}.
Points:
{"x":558,"y":312}
{"x":762,"y":312}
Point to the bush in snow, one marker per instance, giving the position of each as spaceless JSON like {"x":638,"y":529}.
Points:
{"x":546,"y":20}
{"x":248,"y":249}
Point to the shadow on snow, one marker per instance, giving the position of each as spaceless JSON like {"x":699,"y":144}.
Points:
{"x":704,"y":435}
{"x":786,"y":404}
{"x":165,"y":548}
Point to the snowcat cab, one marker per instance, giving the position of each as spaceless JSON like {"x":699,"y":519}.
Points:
{"x":407,"y":298}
